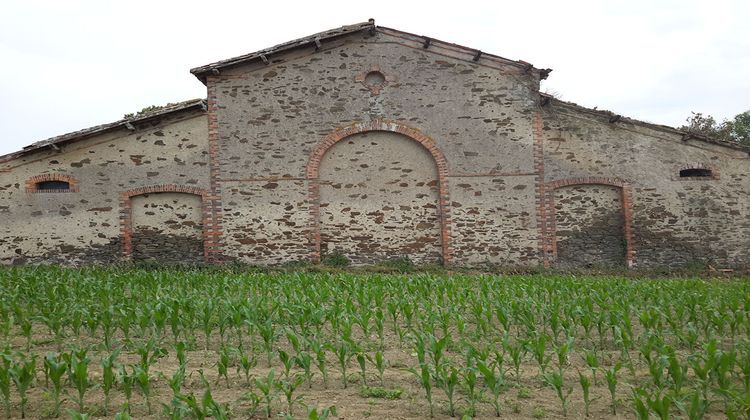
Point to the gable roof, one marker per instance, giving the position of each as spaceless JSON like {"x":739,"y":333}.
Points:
{"x":129,"y":122}
{"x":316,"y":40}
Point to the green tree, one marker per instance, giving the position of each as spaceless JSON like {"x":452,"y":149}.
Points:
{"x":736,"y":129}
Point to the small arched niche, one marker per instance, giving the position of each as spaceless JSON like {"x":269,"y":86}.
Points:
{"x":167,"y":227}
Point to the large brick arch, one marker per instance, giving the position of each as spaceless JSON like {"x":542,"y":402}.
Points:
{"x":313,"y":176}
{"x":126,"y":213}
{"x":626,"y":199}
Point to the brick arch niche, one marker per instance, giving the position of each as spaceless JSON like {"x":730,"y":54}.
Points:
{"x":313,"y":177}
{"x":126,"y":214}
{"x":624,"y":195}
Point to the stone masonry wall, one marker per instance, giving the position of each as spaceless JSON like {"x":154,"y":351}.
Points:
{"x":676,"y":221}
{"x":270,"y":118}
{"x":85,"y":226}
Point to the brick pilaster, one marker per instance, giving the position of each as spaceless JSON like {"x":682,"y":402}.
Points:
{"x":214,"y":230}
{"x":541,"y":199}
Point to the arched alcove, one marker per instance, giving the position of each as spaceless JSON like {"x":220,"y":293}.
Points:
{"x":591,"y":223}
{"x":379,"y":191}
{"x":164,"y":223}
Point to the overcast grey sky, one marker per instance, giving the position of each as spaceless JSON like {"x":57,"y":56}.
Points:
{"x":67,"y":65}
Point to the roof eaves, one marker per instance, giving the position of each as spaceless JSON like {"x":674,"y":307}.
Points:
{"x":686,"y":135}
{"x":475,"y":52}
{"x":54,"y":142}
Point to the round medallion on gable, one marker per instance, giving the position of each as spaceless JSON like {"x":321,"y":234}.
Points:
{"x":374,"y":79}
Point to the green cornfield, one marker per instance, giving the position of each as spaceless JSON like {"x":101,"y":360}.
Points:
{"x":222,"y":343}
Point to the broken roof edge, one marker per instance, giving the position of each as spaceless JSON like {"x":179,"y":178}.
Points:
{"x":169,"y":109}
{"x":686,"y":135}
{"x":202,"y":72}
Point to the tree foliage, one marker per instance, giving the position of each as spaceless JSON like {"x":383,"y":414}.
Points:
{"x":736,"y":129}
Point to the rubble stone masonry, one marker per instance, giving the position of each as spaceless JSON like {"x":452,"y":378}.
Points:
{"x":378,"y":145}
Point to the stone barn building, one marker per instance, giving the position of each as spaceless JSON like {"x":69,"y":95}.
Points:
{"x":377,"y":143}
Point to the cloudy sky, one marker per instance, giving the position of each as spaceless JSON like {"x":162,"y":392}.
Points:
{"x":67,"y":65}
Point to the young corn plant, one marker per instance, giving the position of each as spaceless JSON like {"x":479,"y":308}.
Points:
{"x":362,"y":362}
{"x":109,"y":377}
{"x":494,"y":379}
{"x":677,"y":371}
{"x":556,"y":381}
{"x":26,"y":326}
{"x":314,"y":414}
{"x":207,"y":406}
{"x":181,"y":352}
{"x":207,"y":320}
{"x":562,"y":352}
{"x":319,"y":350}
{"x":288,"y":387}
{"x":473,"y":392}
{"x":380,"y":364}
{"x":268,"y":334}
{"x":176,"y":381}
{"x":658,"y":402}
{"x":585,"y":383}
{"x":537,"y":346}
{"x":223,"y":364}
{"x":640,"y":406}
{"x":611,"y":376}
{"x":127,"y":381}
{"x":516,"y":351}
{"x":143,"y":380}
{"x":304,"y":361}
{"x":592,"y":361}
{"x":75,"y":415}
{"x":149,"y":353}
{"x":696,"y":408}
{"x":344,"y":354}
{"x":254,"y":400}
{"x":23,"y":372}
{"x":287,"y":361}
{"x":124,"y":414}
{"x":56,"y":367}
{"x":447,"y":380}
{"x":423,"y":376}
{"x":176,"y":409}
{"x":5,"y":365}
{"x":78,"y":370}
{"x":267,"y":387}
{"x":245,"y":363}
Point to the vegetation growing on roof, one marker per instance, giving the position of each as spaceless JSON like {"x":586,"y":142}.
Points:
{"x":147,"y":110}
{"x":735,"y":130}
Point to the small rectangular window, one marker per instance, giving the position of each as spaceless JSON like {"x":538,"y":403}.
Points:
{"x":53,"y":185}
{"x":696,"y":173}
